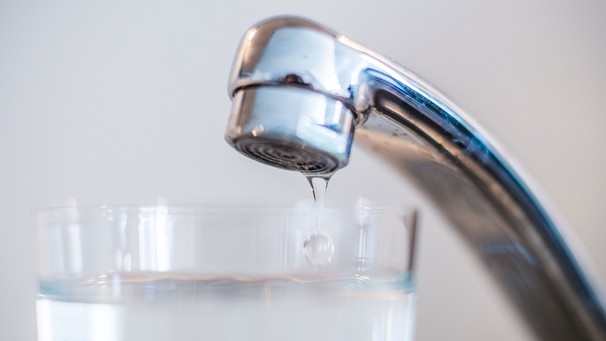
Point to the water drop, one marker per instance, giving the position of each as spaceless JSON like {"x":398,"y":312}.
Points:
{"x":318,"y":249}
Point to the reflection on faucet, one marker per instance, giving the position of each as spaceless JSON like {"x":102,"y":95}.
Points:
{"x":300,"y":91}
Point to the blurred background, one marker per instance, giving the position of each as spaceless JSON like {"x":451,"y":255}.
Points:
{"x":119,"y":102}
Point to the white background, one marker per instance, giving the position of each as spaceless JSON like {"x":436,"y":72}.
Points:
{"x":122,"y":101}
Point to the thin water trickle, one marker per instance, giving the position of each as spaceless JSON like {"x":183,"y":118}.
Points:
{"x":318,"y":247}
{"x":319,"y":185}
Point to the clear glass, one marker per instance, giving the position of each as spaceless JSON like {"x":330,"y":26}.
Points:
{"x":225,"y":273}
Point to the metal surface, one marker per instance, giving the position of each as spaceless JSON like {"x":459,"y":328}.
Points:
{"x":299,"y":89}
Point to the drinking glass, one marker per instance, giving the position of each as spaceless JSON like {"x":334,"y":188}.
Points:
{"x":225,"y":273}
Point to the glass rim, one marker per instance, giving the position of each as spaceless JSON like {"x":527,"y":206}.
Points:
{"x":219,"y":208}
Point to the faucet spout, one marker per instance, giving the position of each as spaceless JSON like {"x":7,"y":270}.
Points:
{"x":302,"y":92}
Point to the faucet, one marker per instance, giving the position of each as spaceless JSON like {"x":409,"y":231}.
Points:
{"x":302,"y":92}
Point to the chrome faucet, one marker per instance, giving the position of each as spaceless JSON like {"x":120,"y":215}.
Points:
{"x":300,"y":94}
